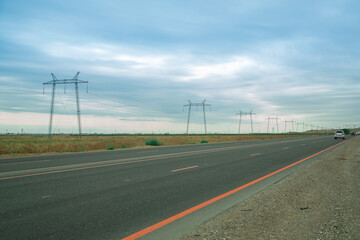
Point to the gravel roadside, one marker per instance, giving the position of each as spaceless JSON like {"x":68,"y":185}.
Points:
{"x":320,"y":201}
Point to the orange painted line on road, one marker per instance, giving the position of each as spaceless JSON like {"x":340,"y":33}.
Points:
{"x":204,"y":204}
{"x":181,"y":169}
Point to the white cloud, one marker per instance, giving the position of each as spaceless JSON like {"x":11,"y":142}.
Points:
{"x":253,"y":97}
{"x":8,"y":79}
{"x":105,"y":53}
{"x":23,"y":118}
{"x":306,"y":90}
{"x":224,"y":69}
{"x":119,"y":60}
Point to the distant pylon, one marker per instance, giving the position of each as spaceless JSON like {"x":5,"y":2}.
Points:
{"x":292,"y":122}
{"x":277,"y":123}
{"x":245,"y":113}
{"x":55,"y":81}
{"x":190,"y":104}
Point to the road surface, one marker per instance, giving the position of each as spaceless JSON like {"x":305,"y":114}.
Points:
{"x":114,"y":194}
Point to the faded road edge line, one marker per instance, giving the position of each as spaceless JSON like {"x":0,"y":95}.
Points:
{"x":204,"y":204}
{"x":16,"y":163}
{"x":186,"y":168}
{"x":81,"y":166}
{"x":107,"y":163}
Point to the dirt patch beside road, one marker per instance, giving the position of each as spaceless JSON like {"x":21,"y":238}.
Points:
{"x":320,"y":201}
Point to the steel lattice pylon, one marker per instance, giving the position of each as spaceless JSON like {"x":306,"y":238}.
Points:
{"x":203,"y":105}
{"x":277,"y":123}
{"x":55,"y":81}
{"x":251,"y":120}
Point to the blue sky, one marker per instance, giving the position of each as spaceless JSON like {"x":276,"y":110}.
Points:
{"x":298,"y":60}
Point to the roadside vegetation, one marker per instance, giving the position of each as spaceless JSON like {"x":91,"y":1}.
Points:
{"x":35,"y":144}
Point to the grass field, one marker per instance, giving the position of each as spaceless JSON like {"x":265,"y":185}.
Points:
{"x":13,"y":145}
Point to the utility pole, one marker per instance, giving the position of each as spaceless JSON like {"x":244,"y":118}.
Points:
{"x":277,"y":123}
{"x":55,"y":81}
{"x":251,"y":121}
{"x":203,"y":105}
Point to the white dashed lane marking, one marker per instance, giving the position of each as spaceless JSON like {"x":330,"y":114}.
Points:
{"x":255,"y":154}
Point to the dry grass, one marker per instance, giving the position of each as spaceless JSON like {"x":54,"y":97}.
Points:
{"x":34,"y":144}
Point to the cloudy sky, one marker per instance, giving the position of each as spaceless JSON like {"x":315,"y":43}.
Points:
{"x":296,"y":60}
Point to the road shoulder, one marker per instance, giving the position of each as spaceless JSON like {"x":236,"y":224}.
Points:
{"x":320,"y":201}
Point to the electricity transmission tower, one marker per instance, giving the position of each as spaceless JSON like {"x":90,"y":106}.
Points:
{"x":292,"y":122}
{"x":312,"y":128}
{"x":191,"y":104}
{"x":297,"y":126}
{"x":277,"y":123}
{"x":246,"y":113}
{"x":55,"y":81}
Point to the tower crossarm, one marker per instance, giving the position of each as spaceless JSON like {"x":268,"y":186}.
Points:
{"x":64,"y":81}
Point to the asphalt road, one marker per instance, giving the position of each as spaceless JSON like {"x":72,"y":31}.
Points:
{"x":113,"y":194}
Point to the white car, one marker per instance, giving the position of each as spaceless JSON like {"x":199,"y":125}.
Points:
{"x":339,"y":134}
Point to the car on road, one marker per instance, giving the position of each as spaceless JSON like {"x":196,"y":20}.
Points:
{"x":358,"y":133}
{"x":339,"y":134}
